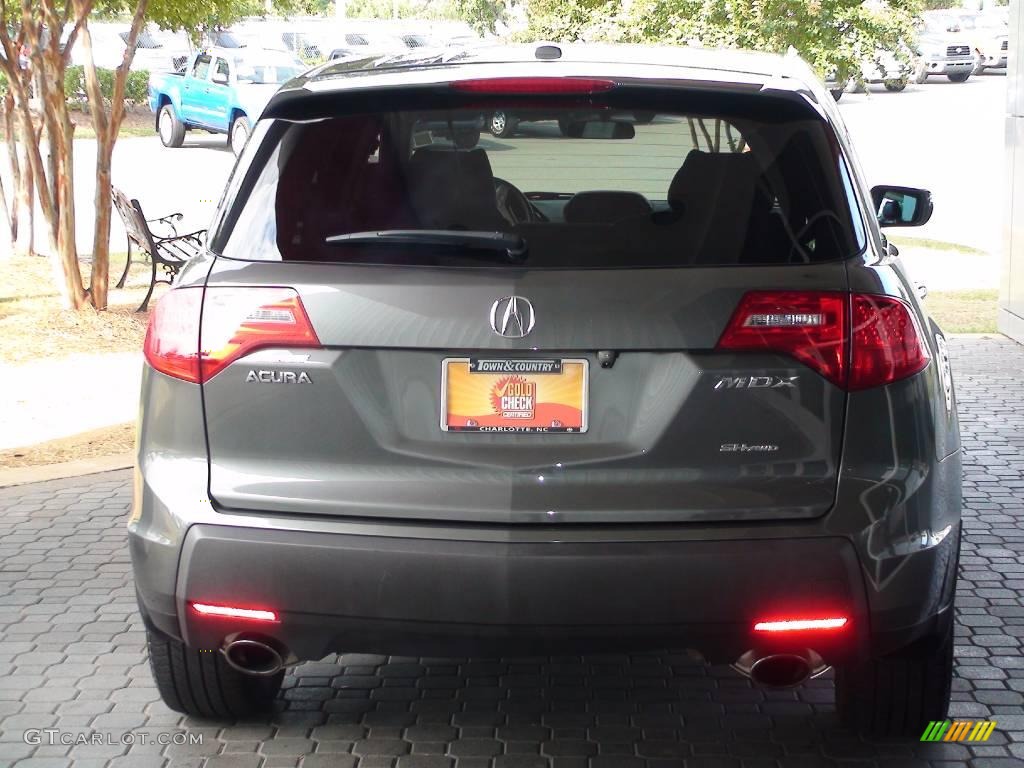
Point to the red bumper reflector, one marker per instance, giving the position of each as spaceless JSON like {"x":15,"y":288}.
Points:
{"x":234,"y":612}
{"x":800,"y":625}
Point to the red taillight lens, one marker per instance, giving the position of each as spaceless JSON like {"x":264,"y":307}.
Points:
{"x":235,"y":322}
{"x":234,"y":612}
{"x":887,"y":342}
{"x":802,"y":625}
{"x":856,"y":341}
{"x":172,"y":338}
{"x":533,"y":86}
{"x":809,"y":326}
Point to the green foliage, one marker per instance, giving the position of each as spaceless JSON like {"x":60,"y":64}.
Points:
{"x":482,"y":15}
{"x":136,"y":87}
{"x":834,"y":36}
{"x":435,"y":10}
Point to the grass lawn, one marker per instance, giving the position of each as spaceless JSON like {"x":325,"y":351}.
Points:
{"x":964,"y":311}
{"x":33,"y":325}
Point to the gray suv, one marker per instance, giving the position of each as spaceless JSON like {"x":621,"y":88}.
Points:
{"x":646,"y":385}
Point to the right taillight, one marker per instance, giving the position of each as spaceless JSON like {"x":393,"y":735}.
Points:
{"x":886,"y":340}
{"x":856,"y":341}
{"x":235,"y":322}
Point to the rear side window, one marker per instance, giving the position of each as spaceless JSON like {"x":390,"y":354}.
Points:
{"x":579,"y":187}
{"x":201,"y":68}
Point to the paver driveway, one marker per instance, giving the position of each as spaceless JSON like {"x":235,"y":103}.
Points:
{"x":72,"y":658}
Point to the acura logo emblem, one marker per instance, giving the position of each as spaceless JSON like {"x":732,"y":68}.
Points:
{"x":512,"y":317}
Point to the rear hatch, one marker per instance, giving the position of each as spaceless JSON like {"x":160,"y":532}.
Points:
{"x":621,"y":352}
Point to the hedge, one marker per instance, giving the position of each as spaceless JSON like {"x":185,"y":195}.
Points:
{"x":136,"y":89}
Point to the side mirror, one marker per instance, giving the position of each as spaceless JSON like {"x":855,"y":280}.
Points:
{"x":220,"y":78}
{"x":902,"y":206}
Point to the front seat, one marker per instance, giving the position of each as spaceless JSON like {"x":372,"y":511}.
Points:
{"x":714,"y":192}
{"x":453,"y":189}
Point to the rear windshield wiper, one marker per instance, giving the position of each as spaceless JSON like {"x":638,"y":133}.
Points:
{"x":485,"y":244}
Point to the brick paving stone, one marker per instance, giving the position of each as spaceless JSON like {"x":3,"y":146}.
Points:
{"x":73,"y":656}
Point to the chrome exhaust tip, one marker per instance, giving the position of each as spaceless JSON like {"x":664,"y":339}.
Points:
{"x":786,"y":669}
{"x":253,"y":656}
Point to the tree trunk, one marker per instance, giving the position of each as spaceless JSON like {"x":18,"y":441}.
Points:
{"x":25,"y":193}
{"x":10,"y":202}
{"x":99,"y":280}
{"x":107,"y":127}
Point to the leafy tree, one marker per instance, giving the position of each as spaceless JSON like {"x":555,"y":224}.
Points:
{"x":834,"y":36}
{"x":41,"y":34}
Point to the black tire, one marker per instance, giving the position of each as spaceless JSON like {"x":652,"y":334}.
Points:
{"x":238,"y":134}
{"x":895,"y":86}
{"x":169,"y":128}
{"x":897,"y":696}
{"x":959,"y":77}
{"x":201,"y":684}
{"x":837,"y":93}
{"x":501,"y":124}
{"x":643,"y":117}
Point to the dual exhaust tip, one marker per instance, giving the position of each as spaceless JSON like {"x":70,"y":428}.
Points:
{"x":786,"y":669}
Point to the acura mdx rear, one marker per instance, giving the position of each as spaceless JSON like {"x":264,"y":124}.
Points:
{"x":605,"y":384}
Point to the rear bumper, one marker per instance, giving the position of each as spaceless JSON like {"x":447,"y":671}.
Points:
{"x":414,"y":595}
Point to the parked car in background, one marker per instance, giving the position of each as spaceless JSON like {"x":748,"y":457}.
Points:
{"x":989,"y":36}
{"x":222,"y":90}
{"x":944,"y":49}
{"x":156,"y":50}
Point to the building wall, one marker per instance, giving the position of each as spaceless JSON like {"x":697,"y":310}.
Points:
{"x":1011,"y":291}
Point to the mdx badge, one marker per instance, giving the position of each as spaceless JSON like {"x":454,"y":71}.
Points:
{"x":512,"y":317}
{"x":756,"y":382}
{"x":278,"y":377}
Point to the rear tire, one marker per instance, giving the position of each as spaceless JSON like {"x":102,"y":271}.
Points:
{"x":201,"y":684}
{"x":837,"y":93}
{"x":898,"y":695}
{"x":895,"y":86}
{"x":170,"y":129}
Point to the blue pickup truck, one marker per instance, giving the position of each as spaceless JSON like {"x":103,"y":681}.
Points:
{"x":220,"y":90}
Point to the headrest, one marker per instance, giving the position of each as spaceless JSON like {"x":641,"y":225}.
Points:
{"x":605,"y":207}
{"x":453,"y":188}
{"x":707,"y":173}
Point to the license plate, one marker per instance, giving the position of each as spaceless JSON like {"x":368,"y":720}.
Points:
{"x":483,"y":394}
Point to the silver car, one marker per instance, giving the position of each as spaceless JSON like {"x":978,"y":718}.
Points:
{"x":639,"y":386}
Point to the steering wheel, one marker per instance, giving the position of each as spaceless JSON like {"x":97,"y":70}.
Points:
{"x":513,"y":204}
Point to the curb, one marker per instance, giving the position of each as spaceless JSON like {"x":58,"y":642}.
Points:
{"x":23,"y":475}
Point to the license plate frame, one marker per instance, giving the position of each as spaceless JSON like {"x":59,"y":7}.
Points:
{"x":565,"y":421}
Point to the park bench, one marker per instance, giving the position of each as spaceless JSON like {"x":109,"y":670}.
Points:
{"x":167,"y":253}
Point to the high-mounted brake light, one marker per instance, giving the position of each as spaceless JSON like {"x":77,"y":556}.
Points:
{"x":235,"y":322}
{"x":534,"y":86}
{"x":801,"y":625}
{"x":234,"y":612}
{"x":856,"y":341}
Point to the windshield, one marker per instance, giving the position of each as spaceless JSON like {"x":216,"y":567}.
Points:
{"x":583,"y":186}
{"x":274,"y":67}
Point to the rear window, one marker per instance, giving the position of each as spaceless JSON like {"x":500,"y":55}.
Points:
{"x":577,"y":186}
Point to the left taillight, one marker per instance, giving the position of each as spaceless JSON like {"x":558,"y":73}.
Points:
{"x":856,"y":341}
{"x":172,"y":338}
{"x":234,"y":322}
